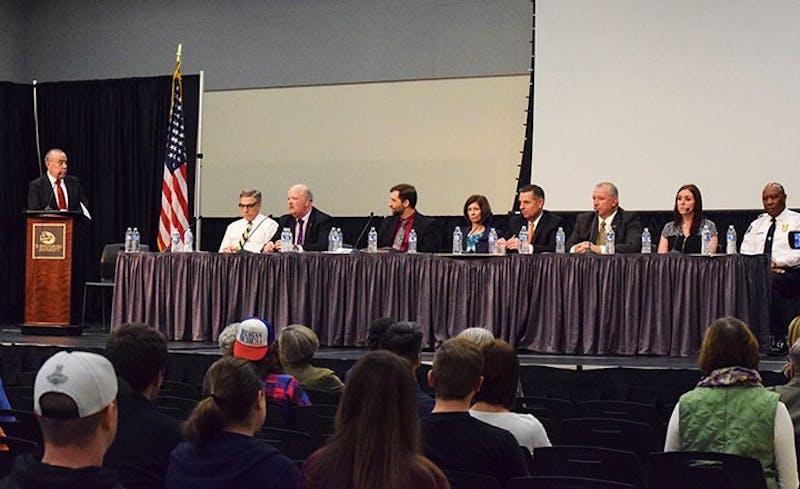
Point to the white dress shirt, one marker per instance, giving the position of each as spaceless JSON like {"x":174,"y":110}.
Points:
{"x":262,"y":231}
{"x":756,"y":235}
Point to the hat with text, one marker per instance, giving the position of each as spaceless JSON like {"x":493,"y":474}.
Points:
{"x":253,"y":339}
{"x":86,"y":378}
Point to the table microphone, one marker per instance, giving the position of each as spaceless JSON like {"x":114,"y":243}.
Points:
{"x":364,"y":230}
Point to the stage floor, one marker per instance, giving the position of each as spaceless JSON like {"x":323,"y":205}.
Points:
{"x":94,"y":337}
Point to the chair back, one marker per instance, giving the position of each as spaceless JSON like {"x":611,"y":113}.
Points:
{"x":556,"y":482}
{"x":295,"y":445}
{"x":639,"y":438}
{"x":545,"y":407}
{"x":589,"y":462}
{"x":696,"y":470}
{"x":631,"y":411}
{"x":469,"y":480}
{"x":176,"y":407}
{"x":13,"y":448}
{"x":108,"y":259}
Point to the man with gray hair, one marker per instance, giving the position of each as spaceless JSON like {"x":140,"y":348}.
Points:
{"x":769,"y":235}
{"x":252,"y":231}
{"x":790,"y":391}
{"x":590,"y":230}
{"x":55,"y":190}
{"x":310,"y":226}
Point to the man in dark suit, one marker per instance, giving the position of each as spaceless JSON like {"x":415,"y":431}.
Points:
{"x":396,"y":228}
{"x":310,"y":226}
{"x":589,"y":234}
{"x":55,"y":189}
{"x":542,"y":225}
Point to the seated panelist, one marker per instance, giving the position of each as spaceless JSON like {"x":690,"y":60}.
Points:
{"x":252,"y":231}
{"x":541,"y":224}
{"x":684,"y":233}
{"x":310,"y":226}
{"x":590,"y":230}
{"x":479,"y":214}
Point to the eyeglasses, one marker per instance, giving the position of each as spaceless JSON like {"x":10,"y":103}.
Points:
{"x":248,"y":206}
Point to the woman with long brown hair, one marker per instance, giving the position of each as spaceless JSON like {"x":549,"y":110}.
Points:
{"x":376,"y":441}
{"x":684,"y":233}
{"x":220,"y":450}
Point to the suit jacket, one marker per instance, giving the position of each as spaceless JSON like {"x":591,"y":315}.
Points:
{"x":41,"y":195}
{"x":627,"y":229}
{"x":318,"y":227}
{"x":544,"y":236}
{"x":428,"y":233}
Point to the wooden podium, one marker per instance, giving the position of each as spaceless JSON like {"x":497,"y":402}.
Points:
{"x":48,"y":273}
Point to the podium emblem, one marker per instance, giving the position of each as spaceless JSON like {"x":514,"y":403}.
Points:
{"x":48,"y":241}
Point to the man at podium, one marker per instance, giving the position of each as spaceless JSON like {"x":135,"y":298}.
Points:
{"x":55,"y":190}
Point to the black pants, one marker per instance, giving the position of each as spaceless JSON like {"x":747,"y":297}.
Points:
{"x":785,"y":286}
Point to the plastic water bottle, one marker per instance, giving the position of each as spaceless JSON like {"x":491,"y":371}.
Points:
{"x":647,"y":240}
{"x":706,"y":240}
{"x":332,"y":240}
{"x":135,"y":240}
{"x":176,"y":240}
{"x":286,"y":240}
{"x":188,"y":241}
{"x":372,"y":240}
{"x":610,"y":240}
{"x":523,"y":241}
{"x":128,"y":240}
{"x":492,"y":241}
{"x":458,"y":241}
{"x":561,"y":241}
{"x":412,"y":241}
{"x":730,"y":241}
{"x":339,"y":240}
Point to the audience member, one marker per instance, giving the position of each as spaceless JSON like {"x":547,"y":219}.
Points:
{"x":790,"y":392}
{"x":310,"y":226}
{"x":591,"y":228}
{"x":395,"y":229}
{"x":769,"y":234}
{"x":730,"y":411}
{"x":74,"y":399}
{"x":376,"y":439}
{"x":252,"y":231}
{"x":226,"y":338}
{"x":145,"y":437}
{"x":254,"y":341}
{"x":453,"y":439}
{"x":479,"y":215}
{"x":221,"y":451}
{"x":298,"y":344}
{"x":373,"y":341}
{"x":542,"y":225}
{"x":479,"y":336}
{"x":494,"y":401}
{"x":405,"y":339}
{"x":684,"y":233}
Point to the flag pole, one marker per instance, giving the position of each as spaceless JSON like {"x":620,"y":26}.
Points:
{"x":198,"y":176}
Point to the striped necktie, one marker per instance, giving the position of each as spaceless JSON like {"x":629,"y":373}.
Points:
{"x":601,"y":233}
{"x":245,"y":235}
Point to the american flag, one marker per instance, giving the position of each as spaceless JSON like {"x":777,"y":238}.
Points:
{"x":174,"y":193}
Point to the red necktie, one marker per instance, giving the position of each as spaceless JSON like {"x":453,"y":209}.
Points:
{"x":300,"y":232}
{"x":62,"y":200}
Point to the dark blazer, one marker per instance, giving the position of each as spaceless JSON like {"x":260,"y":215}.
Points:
{"x":317,"y":230}
{"x":429,"y":238}
{"x":627,"y":229}
{"x":41,"y":196}
{"x":544,"y":236}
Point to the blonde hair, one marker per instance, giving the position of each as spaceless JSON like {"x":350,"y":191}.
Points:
{"x":297,"y":344}
{"x":478,"y":336}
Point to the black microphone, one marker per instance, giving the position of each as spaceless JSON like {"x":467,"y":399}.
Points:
{"x":363,"y":231}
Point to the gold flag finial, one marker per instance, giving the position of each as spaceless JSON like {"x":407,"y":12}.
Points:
{"x":178,"y":54}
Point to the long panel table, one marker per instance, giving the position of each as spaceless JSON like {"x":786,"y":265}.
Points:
{"x":577,"y":304}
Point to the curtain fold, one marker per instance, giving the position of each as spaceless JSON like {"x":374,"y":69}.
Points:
{"x":18,"y":165}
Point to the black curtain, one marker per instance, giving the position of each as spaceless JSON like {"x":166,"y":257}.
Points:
{"x":17,"y":167}
{"x":114,"y":135}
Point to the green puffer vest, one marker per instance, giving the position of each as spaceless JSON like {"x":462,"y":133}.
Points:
{"x":738,"y":420}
